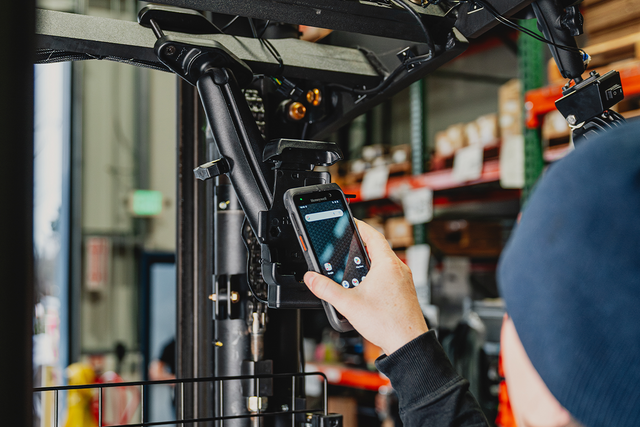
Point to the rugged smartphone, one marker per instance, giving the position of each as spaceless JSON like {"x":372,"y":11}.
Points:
{"x":329,"y":239}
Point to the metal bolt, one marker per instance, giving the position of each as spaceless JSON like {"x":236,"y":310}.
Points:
{"x":571,"y":119}
{"x":170,"y":50}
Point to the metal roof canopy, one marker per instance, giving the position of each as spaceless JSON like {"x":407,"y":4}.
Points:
{"x":64,"y":36}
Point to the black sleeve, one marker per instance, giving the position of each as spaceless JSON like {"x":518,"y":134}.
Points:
{"x":430,"y":391}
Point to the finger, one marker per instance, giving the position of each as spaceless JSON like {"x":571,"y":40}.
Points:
{"x":377,"y":245}
{"x":326,"y":289}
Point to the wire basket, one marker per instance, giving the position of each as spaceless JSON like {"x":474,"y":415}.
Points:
{"x":180,"y":400}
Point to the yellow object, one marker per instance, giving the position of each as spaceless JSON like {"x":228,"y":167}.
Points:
{"x":79,"y":413}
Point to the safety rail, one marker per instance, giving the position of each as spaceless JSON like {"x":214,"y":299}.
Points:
{"x":180,"y":383}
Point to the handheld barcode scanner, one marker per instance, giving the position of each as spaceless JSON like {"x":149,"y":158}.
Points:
{"x":329,"y":239}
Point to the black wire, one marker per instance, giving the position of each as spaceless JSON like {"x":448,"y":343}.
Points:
{"x":253,"y":28}
{"x":384,"y":83}
{"x":266,"y":25}
{"x":528,"y":32}
{"x":230,"y":22}
{"x":413,"y":61}
{"x":274,"y":52}
{"x":268,"y":45}
{"x":387,"y":80}
{"x":413,"y":13}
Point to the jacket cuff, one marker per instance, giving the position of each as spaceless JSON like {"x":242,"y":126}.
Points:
{"x":418,"y":369}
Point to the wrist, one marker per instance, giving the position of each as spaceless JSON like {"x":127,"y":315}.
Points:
{"x":400,"y":340}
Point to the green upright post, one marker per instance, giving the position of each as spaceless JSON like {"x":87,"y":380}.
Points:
{"x":417,"y":97}
{"x":531,"y":66}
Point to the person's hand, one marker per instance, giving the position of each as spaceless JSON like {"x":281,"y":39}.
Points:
{"x":384,"y":307}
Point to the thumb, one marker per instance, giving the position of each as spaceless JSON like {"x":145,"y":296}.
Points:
{"x":325,"y":288}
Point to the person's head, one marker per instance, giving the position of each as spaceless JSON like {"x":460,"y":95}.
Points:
{"x":570,"y":277}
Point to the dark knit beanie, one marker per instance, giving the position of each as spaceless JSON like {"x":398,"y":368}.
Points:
{"x":570,"y":277}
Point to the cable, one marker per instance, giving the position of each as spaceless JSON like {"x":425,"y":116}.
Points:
{"x":387,"y":80}
{"x":253,"y":28}
{"x":522,"y":29}
{"x":413,"y":13}
{"x":413,"y":61}
{"x":267,"y":44}
{"x":266,"y":25}
{"x":230,"y":22}
{"x":274,"y":52}
{"x":384,"y":83}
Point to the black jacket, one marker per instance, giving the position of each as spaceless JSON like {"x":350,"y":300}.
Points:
{"x":430,"y":391}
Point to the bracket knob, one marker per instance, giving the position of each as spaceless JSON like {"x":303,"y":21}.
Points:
{"x":212,"y":169}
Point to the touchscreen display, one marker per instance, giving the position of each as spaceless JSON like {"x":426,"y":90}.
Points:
{"x":335,"y":243}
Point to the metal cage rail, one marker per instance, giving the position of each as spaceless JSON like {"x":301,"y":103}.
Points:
{"x":180,"y":383}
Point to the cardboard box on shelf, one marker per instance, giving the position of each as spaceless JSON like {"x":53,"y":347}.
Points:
{"x":472,"y":133}
{"x":401,"y":153}
{"x":483,"y":131}
{"x":372,"y":152}
{"x":488,"y":130}
{"x":467,"y":238}
{"x":358,"y":166}
{"x":450,"y":140}
{"x":510,"y":106}
{"x":398,"y":232}
{"x":555,"y":127}
{"x":621,"y":50}
{"x":606,"y":20}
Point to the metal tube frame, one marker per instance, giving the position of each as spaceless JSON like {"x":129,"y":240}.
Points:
{"x":181,"y":382}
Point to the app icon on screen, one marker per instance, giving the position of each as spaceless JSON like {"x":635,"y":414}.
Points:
{"x":362,"y":280}
{"x":345,"y":284}
{"x":327,"y":266}
{"x":355,"y":282}
{"x":357,"y":260}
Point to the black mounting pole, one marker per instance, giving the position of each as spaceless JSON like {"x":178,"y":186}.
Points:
{"x":185,"y":256}
{"x":194,"y":329}
{"x":17,"y":30}
{"x":194,"y":257}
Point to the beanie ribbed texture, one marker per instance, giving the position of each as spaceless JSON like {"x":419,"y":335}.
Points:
{"x":570,"y":276}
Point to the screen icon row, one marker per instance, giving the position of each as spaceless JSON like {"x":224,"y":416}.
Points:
{"x":329,"y":267}
{"x":354,"y":281}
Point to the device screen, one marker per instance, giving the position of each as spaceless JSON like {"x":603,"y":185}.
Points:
{"x":332,"y":235}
